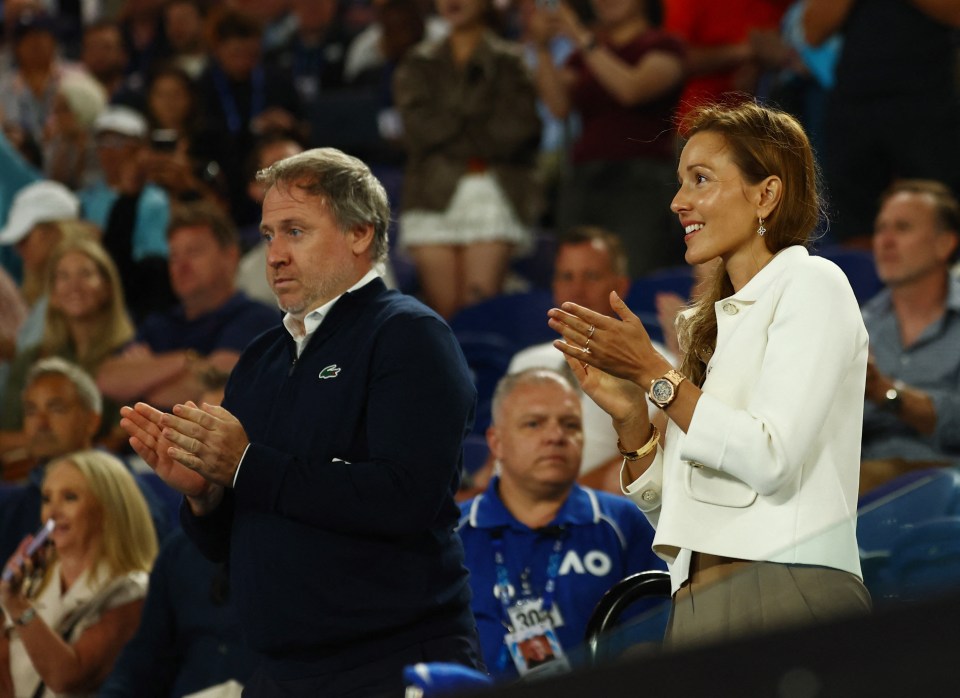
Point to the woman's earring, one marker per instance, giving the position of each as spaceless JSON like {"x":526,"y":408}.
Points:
{"x":761,"y":230}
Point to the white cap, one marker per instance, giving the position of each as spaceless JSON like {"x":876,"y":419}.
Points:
{"x":41,"y":202}
{"x":122,"y":120}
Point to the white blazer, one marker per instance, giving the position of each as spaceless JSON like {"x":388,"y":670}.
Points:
{"x":769,"y":467}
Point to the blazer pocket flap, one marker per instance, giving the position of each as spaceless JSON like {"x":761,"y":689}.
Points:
{"x":715,"y":487}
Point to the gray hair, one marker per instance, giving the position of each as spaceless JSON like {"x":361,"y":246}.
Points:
{"x":347,"y":186}
{"x":581,"y":234}
{"x":530,"y":376}
{"x":86,"y":389}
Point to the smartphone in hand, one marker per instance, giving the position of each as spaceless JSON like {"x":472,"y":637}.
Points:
{"x":163,"y":140}
{"x":39,"y":538}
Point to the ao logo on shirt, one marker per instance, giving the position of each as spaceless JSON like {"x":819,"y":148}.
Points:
{"x":595,"y":562}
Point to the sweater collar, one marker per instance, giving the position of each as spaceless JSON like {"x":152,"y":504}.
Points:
{"x":315,"y":318}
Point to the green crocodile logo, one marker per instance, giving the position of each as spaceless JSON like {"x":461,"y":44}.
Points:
{"x":331,"y":371}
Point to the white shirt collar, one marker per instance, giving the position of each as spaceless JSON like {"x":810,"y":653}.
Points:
{"x":313,"y":319}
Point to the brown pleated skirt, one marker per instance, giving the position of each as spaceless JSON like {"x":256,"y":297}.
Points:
{"x":760,"y":597}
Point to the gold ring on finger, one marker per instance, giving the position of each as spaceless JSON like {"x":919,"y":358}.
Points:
{"x":593,"y":328}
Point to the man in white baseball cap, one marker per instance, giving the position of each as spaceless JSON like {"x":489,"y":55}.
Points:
{"x":41,"y":202}
{"x":121,"y":120}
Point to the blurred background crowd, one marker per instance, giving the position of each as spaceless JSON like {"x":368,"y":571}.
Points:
{"x":529,"y":148}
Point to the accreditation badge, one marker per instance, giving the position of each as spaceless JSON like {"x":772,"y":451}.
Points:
{"x":537,"y":650}
{"x":533,"y":644}
{"x":529,"y":612}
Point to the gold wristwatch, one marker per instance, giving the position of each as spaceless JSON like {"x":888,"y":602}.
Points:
{"x":663,"y":390}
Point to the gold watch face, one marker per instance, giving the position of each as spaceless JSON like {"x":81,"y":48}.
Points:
{"x":661,"y":391}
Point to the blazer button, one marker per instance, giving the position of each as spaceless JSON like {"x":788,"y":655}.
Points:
{"x":650,"y":496}
{"x":730,"y":308}
{"x":694,"y":464}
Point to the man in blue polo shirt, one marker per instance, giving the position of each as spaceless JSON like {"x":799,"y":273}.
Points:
{"x":208,"y":330}
{"x":541,"y":549}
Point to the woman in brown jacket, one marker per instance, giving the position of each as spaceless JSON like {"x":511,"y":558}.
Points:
{"x":471,"y":132}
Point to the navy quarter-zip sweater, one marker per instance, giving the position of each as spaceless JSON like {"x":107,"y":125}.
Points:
{"x":340,"y":530}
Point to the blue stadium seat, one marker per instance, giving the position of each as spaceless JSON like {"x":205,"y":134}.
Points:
{"x":537,"y":266}
{"x":492,"y":331}
{"x":905,"y":502}
{"x":644,"y":289}
{"x":899,"y":516}
{"x":648,"y":591}
{"x":641,"y":298}
{"x":488,"y":356}
{"x":520,"y":318}
{"x":859,"y":267}
{"x":924,"y":561}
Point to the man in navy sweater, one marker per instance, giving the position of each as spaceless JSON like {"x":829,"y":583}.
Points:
{"x":328,"y":476}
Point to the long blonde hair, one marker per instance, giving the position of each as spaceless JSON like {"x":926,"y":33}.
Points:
{"x":128,"y":541}
{"x":114,"y":328}
{"x":763,"y":142}
{"x":35,"y":281}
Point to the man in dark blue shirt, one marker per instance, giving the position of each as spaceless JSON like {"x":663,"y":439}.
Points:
{"x":328,"y":477}
{"x":208,"y":329}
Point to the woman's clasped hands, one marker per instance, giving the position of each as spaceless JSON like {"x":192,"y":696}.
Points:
{"x":612,"y":358}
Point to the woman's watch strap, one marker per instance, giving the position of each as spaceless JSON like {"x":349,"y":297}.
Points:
{"x":26,"y":617}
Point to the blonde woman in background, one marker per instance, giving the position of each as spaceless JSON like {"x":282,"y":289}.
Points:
{"x":64,"y":632}
{"x":86,"y":322}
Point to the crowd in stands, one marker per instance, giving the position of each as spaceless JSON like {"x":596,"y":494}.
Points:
{"x":511,"y":136}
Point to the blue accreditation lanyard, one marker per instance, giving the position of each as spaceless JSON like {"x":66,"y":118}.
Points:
{"x":227,"y":102}
{"x":503,"y":582}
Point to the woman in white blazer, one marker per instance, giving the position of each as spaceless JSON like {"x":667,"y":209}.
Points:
{"x":753,"y":486}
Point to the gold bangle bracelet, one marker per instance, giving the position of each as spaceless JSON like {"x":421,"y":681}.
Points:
{"x":643,"y":450}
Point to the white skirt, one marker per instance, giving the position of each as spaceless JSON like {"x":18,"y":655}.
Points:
{"x":478,"y":212}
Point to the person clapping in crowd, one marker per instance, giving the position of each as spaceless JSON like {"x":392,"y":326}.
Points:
{"x":624,"y":81}
{"x":753,"y":490}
